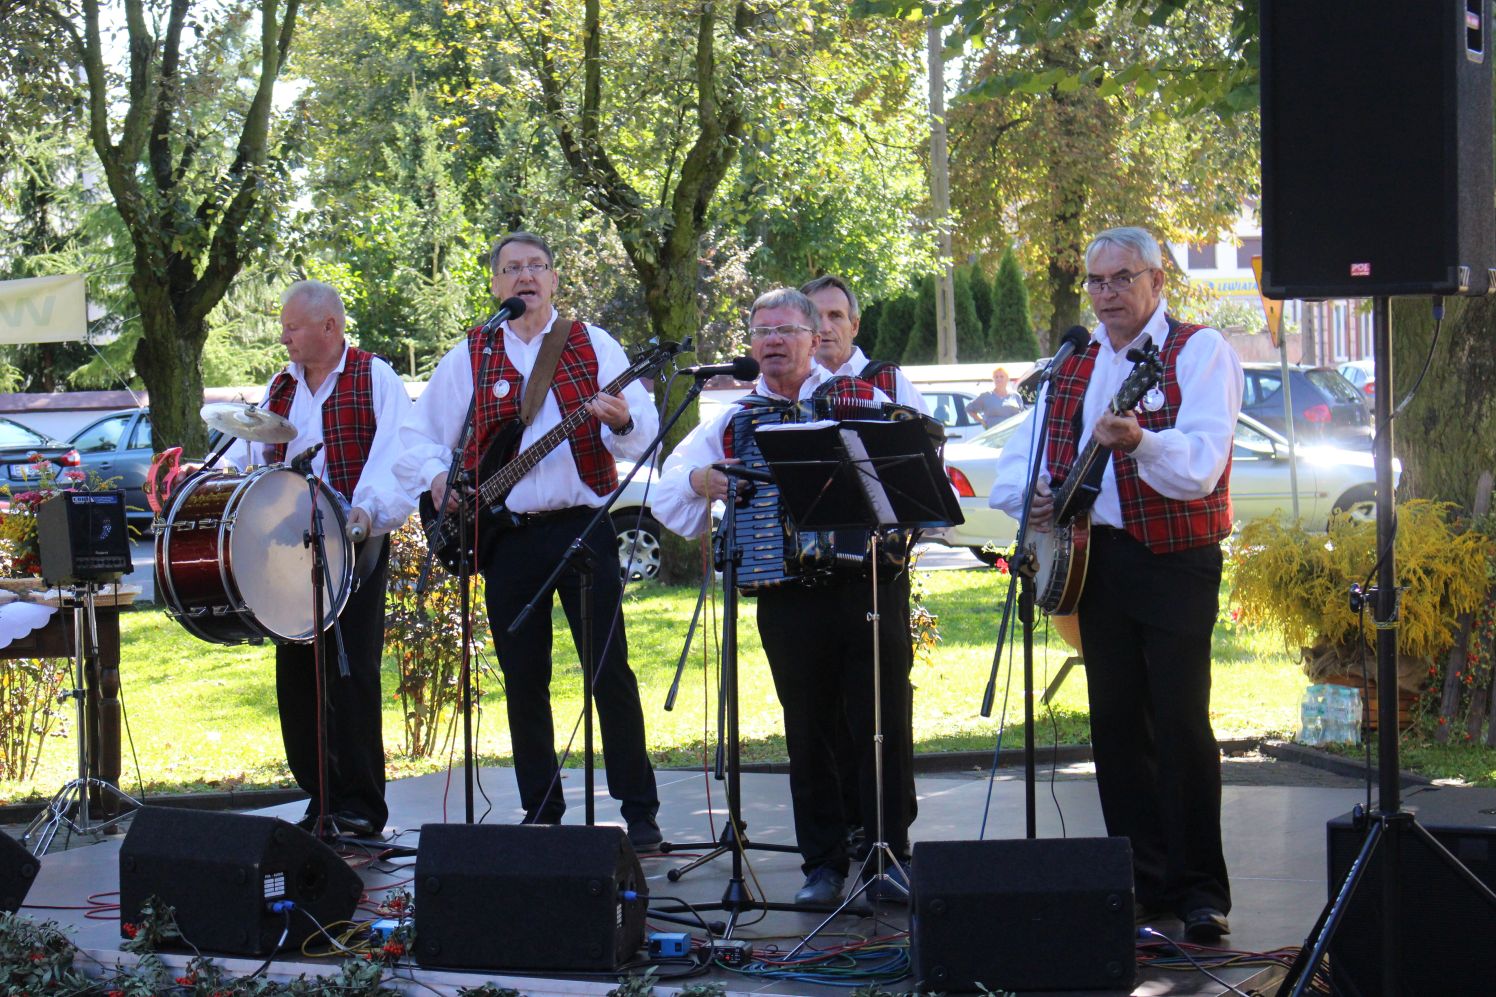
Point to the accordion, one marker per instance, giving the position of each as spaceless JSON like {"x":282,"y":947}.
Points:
{"x":772,"y":551}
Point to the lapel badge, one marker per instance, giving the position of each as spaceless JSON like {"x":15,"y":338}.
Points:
{"x":1153,"y":400}
{"x":501,"y":389}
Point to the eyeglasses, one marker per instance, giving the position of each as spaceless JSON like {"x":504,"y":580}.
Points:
{"x":1119,"y":283}
{"x":510,"y":269}
{"x":783,"y":331}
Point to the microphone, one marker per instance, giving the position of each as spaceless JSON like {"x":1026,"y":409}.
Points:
{"x":508,"y":308}
{"x":744,"y":473}
{"x":356,"y":532}
{"x":1077,"y":338}
{"x":741,"y":368}
{"x":302,"y":462}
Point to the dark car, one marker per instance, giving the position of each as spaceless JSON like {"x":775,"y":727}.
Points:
{"x":19,"y":444}
{"x":1326,"y":407}
{"x":118,"y":446}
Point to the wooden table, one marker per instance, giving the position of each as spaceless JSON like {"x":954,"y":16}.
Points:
{"x":101,"y":680}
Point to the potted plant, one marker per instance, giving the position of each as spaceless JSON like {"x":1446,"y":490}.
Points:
{"x":1298,"y":582}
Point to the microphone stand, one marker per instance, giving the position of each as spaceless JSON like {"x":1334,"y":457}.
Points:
{"x":579,"y":558}
{"x":455,"y":476}
{"x":1021,"y":574}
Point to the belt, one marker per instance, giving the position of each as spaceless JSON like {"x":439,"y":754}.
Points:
{"x":549,"y":515}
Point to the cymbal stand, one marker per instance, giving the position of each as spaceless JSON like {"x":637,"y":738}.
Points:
{"x":74,"y":796}
{"x":879,"y":852}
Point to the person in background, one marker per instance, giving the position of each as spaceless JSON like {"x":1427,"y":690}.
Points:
{"x":992,"y":407}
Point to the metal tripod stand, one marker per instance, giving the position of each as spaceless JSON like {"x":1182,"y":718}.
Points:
{"x":73,"y":797}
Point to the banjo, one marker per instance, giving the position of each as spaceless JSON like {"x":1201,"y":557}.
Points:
{"x":1059,"y":556}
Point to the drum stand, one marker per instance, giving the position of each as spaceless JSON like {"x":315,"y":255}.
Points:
{"x":37,"y":837}
{"x":316,"y":539}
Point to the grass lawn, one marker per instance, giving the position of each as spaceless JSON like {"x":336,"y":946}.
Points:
{"x":203,"y":716}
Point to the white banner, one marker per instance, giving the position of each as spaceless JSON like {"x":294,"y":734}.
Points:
{"x":43,"y":310}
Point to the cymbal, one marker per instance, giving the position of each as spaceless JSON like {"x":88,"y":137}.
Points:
{"x":248,"y":422}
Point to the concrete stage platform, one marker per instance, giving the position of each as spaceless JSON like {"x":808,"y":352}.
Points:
{"x":1275,"y":844}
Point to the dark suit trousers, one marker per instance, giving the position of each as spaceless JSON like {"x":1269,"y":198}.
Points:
{"x":820,"y":648}
{"x":355,"y":731}
{"x":520,"y":561}
{"x":1146,"y":621}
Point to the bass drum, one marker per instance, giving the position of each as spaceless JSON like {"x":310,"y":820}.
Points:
{"x":231,"y":562}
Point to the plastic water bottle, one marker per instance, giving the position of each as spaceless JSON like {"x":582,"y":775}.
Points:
{"x":1347,"y":708}
{"x":1312,"y":716}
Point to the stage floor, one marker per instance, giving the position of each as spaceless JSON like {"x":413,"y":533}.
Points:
{"x":1275,"y":844}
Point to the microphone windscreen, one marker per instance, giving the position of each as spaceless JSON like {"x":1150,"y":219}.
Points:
{"x":514,"y":306}
{"x":1078,"y":336}
{"x":744,"y":368}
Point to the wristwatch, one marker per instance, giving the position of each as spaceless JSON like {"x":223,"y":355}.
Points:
{"x":628,"y":428}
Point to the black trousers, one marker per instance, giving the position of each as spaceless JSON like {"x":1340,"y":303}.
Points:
{"x":520,"y":561}
{"x":1145,"y":624}
{"x":355,"y":729}
{"x":820,"y":648}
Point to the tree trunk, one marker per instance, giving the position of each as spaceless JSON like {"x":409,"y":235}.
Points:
{"x":1064,"y":301}
{"x":1454,"y":665}
{"x":167,"y":358}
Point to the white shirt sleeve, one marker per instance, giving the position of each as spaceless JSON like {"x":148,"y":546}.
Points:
{"x":431,"y":428}
{"x":611,"y":362}
{"x":675,"y":503}
{"x":1185,"y":461}
{"x":378,"y":492}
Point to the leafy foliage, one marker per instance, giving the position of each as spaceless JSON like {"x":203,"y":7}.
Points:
{"x":1012,"y":327}
{"x":1296,"y":582}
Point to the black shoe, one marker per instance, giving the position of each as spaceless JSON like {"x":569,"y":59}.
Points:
{"x":1205,"y":926}
{"x":341,"y":823}
{"x":644,"y":834}
{"x":823,"y":887}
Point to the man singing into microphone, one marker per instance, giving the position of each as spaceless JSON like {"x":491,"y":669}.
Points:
{"x":1149,"y":604}
{"x":539,"y":369}
{"x":351,"y":404}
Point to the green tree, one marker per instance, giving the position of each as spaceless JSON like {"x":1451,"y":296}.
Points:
{"x":919,"y":347}
{"x":867,"y":330}
{"x":971,"y":334}
{"x":981,"y":293}
{"x":1012,"y":329}
{"x":895,"y":325}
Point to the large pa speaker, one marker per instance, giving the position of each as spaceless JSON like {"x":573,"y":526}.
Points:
{"x":1376,"y":148}
{"x":225,"y":874}
{"x":1041,"y":914}
{"x":82,"y":537}
{"x":1445,"y":926}
{"x":494,"y":896}
{"x":18,"y":869}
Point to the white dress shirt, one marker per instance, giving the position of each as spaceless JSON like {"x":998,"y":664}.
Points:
{"x":1183,"y":462}
{"x":905,"y":393}
{"x":429,"y":435}
{"x":675,"y":504}
{"x":377,"y":492}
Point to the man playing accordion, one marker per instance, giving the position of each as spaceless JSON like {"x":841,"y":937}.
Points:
{"x":814,"y":623}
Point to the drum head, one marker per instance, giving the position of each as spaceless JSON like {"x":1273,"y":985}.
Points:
{"x":272,"y":567}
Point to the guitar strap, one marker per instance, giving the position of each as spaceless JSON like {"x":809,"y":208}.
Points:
{"x":544,"y":370}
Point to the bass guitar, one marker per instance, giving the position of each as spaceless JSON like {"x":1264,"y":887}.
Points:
{"x":1059,"y":556}
{"x":501,"y":468}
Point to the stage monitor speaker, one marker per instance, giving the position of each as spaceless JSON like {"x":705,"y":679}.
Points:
{"x":82,"y":537}
{"x":18,"y":869}
{"x":1376,"y":148}
{"x":495,"y":896}
{"x":1446,"y":927}
{"x":1043,"y":914}
{"x":222,"y":873}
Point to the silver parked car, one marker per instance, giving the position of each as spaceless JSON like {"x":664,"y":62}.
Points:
{"x":1330,"y":480}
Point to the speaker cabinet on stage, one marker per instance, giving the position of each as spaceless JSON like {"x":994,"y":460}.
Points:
{"x":82,"y":537}
{"x":1376,"y":148}
{"x":222,"y":872}
{"x":1446,"y":927}
{"x":18,"y":869}
{"x":494,"y":896}
{"x":1043,"y":914}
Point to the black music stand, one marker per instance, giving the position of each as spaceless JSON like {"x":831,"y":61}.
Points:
{"x":862,"y":475}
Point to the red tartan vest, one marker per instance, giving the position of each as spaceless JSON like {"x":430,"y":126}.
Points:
{"x":883,"y":375}
{"x":1163,"y":524}
{"x":347,"y":420}
{"x":575,"y":383}
{"x":831,"y":400}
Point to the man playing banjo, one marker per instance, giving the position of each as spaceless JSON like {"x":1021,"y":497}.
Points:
{"x":1149,"y":603}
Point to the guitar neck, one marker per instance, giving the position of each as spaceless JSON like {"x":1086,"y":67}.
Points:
{"x":1079,"y":471}
{"x":496,"y":487}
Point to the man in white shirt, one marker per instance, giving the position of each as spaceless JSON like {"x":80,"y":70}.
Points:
{"x":352,"y":403}
{"x":548,"y":507}
{"x":816,"y":635}
{"x":1149,"y":605}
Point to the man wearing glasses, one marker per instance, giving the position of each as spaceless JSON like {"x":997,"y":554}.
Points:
{"x":1149,"y":604}
{"x":817,"y":636}
{"x":552,"y":503}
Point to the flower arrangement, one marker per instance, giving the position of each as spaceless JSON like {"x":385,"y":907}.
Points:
{"x":20,"y":552}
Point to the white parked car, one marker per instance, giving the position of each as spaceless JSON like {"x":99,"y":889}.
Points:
{"x":1330,"y":480}
{"x":949,"y":409}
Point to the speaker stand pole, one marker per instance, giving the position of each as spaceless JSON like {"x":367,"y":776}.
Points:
{"x":37,"y":837}
{"x":1388,"y":826}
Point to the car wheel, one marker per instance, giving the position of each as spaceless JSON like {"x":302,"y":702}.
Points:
{"x":639,"y":535}
{"x":1360,"y":504}
{"x":987,"y":556}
